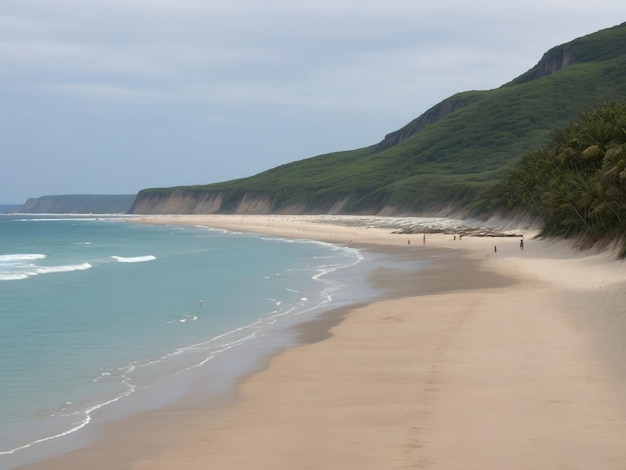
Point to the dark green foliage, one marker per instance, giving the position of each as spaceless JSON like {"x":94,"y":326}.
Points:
{"x":577,"y":182}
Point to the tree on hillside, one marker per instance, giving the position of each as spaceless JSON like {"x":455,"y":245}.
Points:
{"x":576,"y":183}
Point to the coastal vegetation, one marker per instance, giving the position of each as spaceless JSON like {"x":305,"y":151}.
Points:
{"x":576,"y":183}
{"x":440,"y":162}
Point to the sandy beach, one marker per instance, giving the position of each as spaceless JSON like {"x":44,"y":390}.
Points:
{"x":498,"y":358}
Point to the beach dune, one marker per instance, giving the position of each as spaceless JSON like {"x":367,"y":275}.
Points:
{"x":496,"y":359}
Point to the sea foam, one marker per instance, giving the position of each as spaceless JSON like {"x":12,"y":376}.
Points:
{"x":62,"y":269}
{"x":135,"y":259}
{"x":17,"y":257}
{"x":20,"y":266}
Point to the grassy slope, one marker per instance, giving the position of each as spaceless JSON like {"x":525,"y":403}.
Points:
{"x":453,"y":159}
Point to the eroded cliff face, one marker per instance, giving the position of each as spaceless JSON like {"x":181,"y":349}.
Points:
{"x":181,"y":201}
{"x":177,"y":202}
{"x":553,"y":61}
{"x":434,"y":114}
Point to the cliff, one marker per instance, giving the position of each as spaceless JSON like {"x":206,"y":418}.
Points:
{"x":190,"y":201}
{"x":79,"y":204}
{"x":9,"y":208}
{"x":599,"y":46}
{"x":433,"y":115}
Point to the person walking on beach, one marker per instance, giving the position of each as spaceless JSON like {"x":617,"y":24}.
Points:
{"x":521,"y":244}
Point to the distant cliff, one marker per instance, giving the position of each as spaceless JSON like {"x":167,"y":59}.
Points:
{"x":79,"y":204}
{"x":8,"y":208}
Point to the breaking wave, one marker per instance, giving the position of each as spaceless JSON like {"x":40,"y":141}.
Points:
{"x":134,"y":259}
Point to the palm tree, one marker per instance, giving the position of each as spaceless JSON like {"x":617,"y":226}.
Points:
{"x":577,"y":182}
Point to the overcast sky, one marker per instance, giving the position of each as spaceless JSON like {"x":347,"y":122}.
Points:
{"x":113,"y":96}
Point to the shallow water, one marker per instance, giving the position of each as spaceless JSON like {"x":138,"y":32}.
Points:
{"x":98,"y":314}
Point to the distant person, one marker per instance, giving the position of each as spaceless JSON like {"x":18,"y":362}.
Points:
{"x":521,"y":244}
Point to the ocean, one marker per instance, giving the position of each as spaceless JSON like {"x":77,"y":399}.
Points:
{"x":102,"y":316}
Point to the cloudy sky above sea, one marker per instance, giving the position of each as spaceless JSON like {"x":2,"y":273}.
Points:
{"x":113,"y":96}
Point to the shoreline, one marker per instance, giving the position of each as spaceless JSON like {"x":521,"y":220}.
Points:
{"x":455,"y":369}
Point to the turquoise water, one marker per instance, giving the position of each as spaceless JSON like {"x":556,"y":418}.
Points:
{"x":97,"y":311}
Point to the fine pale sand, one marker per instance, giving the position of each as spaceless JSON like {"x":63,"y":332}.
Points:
{"x":507,"y":359}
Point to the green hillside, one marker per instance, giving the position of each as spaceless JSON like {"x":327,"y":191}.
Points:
{"x":445,"y":157}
